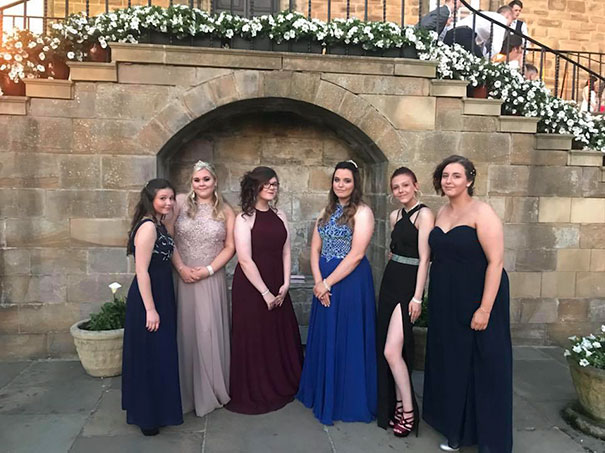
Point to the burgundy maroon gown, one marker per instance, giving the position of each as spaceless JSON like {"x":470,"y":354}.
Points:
{"x":266,"y":353}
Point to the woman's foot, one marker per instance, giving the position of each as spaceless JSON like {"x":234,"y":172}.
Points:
{"x":397,"y":415}
{"x":445,"y":446}
{"x":405,"y":425}
{"x":150,"y":431}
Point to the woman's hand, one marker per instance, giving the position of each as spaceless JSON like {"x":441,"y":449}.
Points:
{"x":325,"y":300}
{"x":187,"y":274}
{"x":200,"y":273}
{"x":320,"y":290}
{"x":281,"y":295}
{"x":153,"y":320}
{"x":270,"y":300}
{"x":480,"y":319}
{"x":414,"y":310}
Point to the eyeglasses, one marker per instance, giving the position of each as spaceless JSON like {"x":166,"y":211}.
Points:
{"x":271,"y":185}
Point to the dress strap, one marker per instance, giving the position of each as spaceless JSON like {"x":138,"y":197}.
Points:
{"x":415,"y":209}
{"x":136,"y":228}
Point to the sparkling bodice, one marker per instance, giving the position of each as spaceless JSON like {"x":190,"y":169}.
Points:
{"x":336,"y":238}
{"x":200,"y":239}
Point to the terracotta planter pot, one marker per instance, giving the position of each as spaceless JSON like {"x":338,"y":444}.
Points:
{"x":590,"y":387}
{"x":479,"y":92}
{"x":97,"y":54}
{"x":10,"y":88}
{"x":99,"y":351}
{"x":58,"y":69}
{"x":419,"y":347}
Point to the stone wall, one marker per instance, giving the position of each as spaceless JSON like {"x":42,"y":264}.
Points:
{"x":71,"y":171}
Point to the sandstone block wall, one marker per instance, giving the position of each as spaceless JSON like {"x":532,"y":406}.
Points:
{"x":72,"y":169}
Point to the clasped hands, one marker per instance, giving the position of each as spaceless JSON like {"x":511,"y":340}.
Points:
{"x":193,"y":274}
{"x":322,"y":293}
{"x":276,"y":301}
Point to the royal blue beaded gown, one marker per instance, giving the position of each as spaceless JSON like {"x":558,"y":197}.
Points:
{"x":151,"y":393}
{"x":468,"y":374}
{"x":339,"y":373}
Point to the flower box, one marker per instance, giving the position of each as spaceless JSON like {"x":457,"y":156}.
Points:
{"x":262,"y":43}
{"x":345,"y":49}
{"x":238,"y":42}
{"x":183,"y":41}
{"x":306,"y":46}
{"x":283,"y":46}
{"x":158,"y":37}
{"x":205,"y":41}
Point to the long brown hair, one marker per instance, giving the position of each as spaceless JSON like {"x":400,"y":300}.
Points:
{"x":217,"y":199}
{"x":348,"y":214}
{"x":251,"y":184}
{"x":144,"y":207}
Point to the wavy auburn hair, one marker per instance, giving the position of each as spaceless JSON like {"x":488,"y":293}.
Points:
{"x":250,"y":186}
{"x":348,"y":214}
{"x":217,"y":200}
{"x":144,"y":207}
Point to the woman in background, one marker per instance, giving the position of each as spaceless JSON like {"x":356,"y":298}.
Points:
{"x":150,"y":371}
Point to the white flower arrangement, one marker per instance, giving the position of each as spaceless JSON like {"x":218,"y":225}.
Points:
{"x":73,"y":38}
{"x":589,"y":350}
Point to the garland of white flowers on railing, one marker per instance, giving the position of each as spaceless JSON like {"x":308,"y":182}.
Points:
{"x":72,"y":39}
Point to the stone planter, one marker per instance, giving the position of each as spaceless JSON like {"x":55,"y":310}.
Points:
{"x":99,"y":351}
{"x":419,"y":347}
{"x":590,"y":388}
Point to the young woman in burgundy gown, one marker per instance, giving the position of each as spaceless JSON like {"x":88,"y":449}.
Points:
{"x":400,"y":304}
{"x":266,"y":352}
{"x":468,"y":373}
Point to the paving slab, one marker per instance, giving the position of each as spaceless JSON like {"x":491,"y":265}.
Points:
{"x":135,"y":443}
{"x":291,"y":429}
{"x":39,"y":433}
{"x":10,"y":370}
{"x":542,"y":380}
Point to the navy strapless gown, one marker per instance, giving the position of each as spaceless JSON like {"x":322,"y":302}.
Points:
{"x":339,"y":372}
{"x":468,"y":374}
{"x":151,"y":393}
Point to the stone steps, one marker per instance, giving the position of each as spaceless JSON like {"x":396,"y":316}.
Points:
{"x":13,"y":105}
{"x":481,"y":107}
{"x":49,"y":88}
{"x":585,"y":158}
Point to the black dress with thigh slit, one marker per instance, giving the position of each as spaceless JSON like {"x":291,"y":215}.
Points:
{"x":397,"y":287}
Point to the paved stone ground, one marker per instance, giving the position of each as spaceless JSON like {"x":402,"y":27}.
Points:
{"x":53,"y":406}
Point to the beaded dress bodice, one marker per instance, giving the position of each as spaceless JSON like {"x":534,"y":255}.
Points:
{"x":201,"y":238}
{"x":336,"y":238}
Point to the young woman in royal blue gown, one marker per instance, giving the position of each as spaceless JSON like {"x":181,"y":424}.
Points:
{"x":151,"y":393}
{"x":339,"y":372}
{"x":468,"y":373}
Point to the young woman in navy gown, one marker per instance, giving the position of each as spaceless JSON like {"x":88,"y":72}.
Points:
{"x":151,"y":394}
{"x":468,"y":374}
{"x":339,"y":373}
{"x":400,"y":304}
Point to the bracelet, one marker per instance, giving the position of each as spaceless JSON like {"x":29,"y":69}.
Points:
{"x":210,"y":270}
{"x":264,"y":293}
{"x":416,"y":301}
{"x":328,"y":287}
{"x":485,"y":311}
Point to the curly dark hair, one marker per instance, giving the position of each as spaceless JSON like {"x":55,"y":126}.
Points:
{"x":469,"y":170}
{"x":348,"y":215}
{"x":145,"y":207}
{"x":251,"y":184}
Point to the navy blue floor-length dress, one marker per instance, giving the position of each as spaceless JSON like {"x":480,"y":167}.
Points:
{"x":468,"y":374}
{"x":151,"y":393}
{"x":339,"y":372}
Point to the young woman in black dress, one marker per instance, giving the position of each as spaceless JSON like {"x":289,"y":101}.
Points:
{"x":151,"y":393}
{"x":400,"y":304}
{"x":468,"y":373}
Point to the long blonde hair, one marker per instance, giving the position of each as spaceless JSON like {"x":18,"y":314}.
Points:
{"x":217,"y":200}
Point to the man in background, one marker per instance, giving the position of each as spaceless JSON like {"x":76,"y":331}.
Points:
{"x":437,"y":19}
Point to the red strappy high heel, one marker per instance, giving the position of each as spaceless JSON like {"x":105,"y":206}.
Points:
{"x":397,"y":415}
{"x":406,"y":425}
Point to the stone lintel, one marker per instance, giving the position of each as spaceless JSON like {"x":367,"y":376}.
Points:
{"x":338,"y":64}
{"x":553,"y":141}
{"x":415,"y":68}
{"x":221,"y":58}
{"x":13,"y":105}
{"x":518,"y":124}
{"x":482,"y":107}
{"x":444,"y":88}
{"x":138,"y":53}
{"x":585,"y":158}
{"x":93,"y":72}
{"x":49,"y":88}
